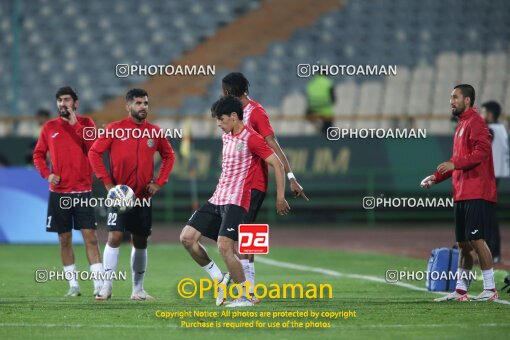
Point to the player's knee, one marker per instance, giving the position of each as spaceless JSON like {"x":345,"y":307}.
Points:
{"x":139,"y":242}
{"x":114,"y":240}
{"x":476,"y":244}
{"x":65,"y":240}
{"x":187,"y":239}
{"x":465,"y":247}
{"x":225,"y":248}
{"x":90,"y":241}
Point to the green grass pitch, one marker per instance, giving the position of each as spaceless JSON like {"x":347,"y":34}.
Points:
{"x":29,"y":309}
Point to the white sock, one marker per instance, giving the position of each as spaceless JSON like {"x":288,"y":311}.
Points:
{"x":110,"y":260}
{"x":245,"y":263}
{"x":241,"y":289}
{"x":214,"y":272}
{"x":71,"y":277}
{"x":98,"y":269}
{"x":252,"y":277}
{"x":488,"y":279}
{"x":138,"y":267}
{"x":462,"y":279}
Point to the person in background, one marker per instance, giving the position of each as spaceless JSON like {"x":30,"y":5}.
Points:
{"x":41,"y":117}
{"x":500,"y":153}
{"x":321,"y":98}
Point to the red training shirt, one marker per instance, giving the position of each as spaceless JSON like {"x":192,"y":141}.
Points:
{"x":473,"y":177}
{"x":68,"y":154}
{"x":255,"y":117}
{"x":132,"y":159}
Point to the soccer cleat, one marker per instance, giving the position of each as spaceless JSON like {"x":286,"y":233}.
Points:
{"x":220,"y":298}
{"x":243,"y":301}
{"x":105,"y":293}
{"x":141,"y":296}
{"x":254,"y":300}
{"x":74,"y":291}
{"x":453,"y":296}
{"x":97,"y":290}
{"x":486,"y":295}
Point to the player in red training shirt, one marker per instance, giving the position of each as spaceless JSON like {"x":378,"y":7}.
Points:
{"x":474,"y":193}
{"x":132,"y":164}
{"x":70,"y":178}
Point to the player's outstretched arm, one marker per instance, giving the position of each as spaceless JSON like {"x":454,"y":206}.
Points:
{"x":282,"y":207}
{"x":295,"y":187}
{"x":428,"y":181}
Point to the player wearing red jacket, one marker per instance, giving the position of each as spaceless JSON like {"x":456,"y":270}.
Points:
{"x":474,"y":192}
{"x":70,"y":177}
{"x":254,"y":116}
{"x":131,"y":163}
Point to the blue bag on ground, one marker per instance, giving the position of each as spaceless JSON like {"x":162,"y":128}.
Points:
{"x":441,"y":269}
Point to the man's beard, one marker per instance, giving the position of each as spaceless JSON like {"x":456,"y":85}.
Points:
{"x":64,"y":111}
{"x":139,"y":117}
{"x":457,"y":111}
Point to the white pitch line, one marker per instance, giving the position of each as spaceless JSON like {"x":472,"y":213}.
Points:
{"x":348,"y":275}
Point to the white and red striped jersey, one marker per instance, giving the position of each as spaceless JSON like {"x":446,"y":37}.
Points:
{"x":241,"y":152}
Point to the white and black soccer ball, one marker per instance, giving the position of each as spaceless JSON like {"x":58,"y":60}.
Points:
{"x":121,"y":198}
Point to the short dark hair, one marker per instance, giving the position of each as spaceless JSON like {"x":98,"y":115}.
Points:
{"x":236,"y":84}
{"x":494,"y":108}
{"x":66,"y":90}
{"x":131,"y":94}
{"x":225,"y":106}
{"x":467,"y":91}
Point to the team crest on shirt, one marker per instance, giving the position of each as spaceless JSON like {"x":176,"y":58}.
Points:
{"x":150,"y":143}
{"x":240,"y":146}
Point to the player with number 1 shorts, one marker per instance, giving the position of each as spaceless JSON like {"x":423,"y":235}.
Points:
{"x":70,"y":179}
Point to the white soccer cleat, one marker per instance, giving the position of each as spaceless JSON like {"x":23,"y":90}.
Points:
{"x":105,"y":293}
{"x":486,"y":295}
{"x":74,"y":291}
{"x":220,"y":298}
{"x":453,"y":296}
{"x":97,"y":291}
{"x":141,"y":296}
{"x":254,"y":300}
{"x":243,"y":301}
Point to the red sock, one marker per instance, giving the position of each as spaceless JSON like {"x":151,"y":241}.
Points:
{"x":460,"y":291}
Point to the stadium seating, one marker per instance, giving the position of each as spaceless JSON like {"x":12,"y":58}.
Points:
{"x":432,"y":45}
{"x":79,"y":43}
{"x":432,"y":48}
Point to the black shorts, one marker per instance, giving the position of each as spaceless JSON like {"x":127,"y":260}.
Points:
{"x":473,"y":219}
{"x":138,"y":220}
{"x":218,"y":220}
{"x":257,"y":198}
{"x":63,"y":215}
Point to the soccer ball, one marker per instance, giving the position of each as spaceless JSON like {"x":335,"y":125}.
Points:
{"x":122,"y":198}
